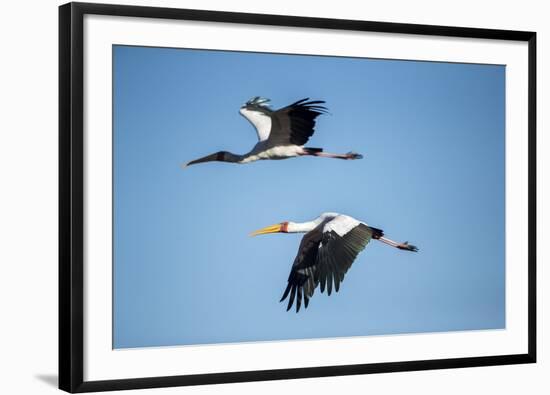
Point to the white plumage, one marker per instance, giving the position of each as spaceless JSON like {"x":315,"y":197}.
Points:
{"x":260,"y":121}
{"x":341,"y":224}
{"x":282,"y":152}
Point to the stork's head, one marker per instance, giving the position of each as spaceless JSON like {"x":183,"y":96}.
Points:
{"x":256,"y":104}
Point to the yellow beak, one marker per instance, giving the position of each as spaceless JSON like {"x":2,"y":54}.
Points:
{"x":268,"y":229}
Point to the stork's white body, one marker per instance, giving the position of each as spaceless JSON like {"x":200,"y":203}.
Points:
{"x":339,"y":223}
{"x":262,"y":150}
{"x":342,"y":224}
{"x":259,"y":152}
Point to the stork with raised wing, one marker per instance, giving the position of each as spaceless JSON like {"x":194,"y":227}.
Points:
{"x":281,"y":133}
{"x":329,"y":247}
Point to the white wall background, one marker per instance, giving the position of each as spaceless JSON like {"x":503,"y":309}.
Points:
{"x":28,"y":195}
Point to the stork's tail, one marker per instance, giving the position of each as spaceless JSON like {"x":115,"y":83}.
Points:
{"x":376,"y":233}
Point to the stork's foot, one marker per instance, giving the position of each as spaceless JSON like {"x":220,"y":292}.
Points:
{"x":408,"y":247}
{"x":353,"y":155}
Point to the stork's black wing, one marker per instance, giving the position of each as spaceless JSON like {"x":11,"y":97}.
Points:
{"x":302,"y":277}
{"x":324,"y":257}
{"x":295,"y":124}
{"x":337,"y":253}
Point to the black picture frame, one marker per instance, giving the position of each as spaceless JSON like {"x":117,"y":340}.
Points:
{"x":71,"y":195}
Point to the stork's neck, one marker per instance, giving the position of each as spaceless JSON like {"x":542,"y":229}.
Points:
{"x":231,"y":157}
{"x":301,"y":227}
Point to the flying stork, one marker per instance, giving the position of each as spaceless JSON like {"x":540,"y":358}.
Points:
{"x":281,"y":133}
{"x":327,"y":251}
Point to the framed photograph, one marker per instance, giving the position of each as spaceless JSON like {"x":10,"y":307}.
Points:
{"x":387,"y":172}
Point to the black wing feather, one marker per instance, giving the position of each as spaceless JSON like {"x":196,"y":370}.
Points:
{"x":299,"y":300}
{"x":295,"y":124}
{"x":323,"y":259}
{"x":287,"y":290}
{"x":291,"y":299}
{"x":329,"y":278}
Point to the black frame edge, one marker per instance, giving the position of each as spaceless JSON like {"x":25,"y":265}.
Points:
{"x":64,"y":200}
{"x":532,"y":197}
{"x":301,"y":21}
{"x":71,"y":205}
{"x":64,"y":211}
{"x":300,"y":373}
{"x":71,"y":366}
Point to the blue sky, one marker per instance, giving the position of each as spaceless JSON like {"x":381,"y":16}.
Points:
{"x":185,"y":269}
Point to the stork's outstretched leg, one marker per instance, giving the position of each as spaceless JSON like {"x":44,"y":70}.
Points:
{"x":319,"y":152}
{"x":401,"y":246}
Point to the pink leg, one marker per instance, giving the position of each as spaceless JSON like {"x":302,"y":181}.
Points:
{"x":401,"y":246}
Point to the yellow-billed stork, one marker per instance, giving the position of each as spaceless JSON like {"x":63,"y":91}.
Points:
{"x":328,"y":249}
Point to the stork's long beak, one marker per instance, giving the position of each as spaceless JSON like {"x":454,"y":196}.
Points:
{"x":268,"y":229}
{"x":218,"y":156}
